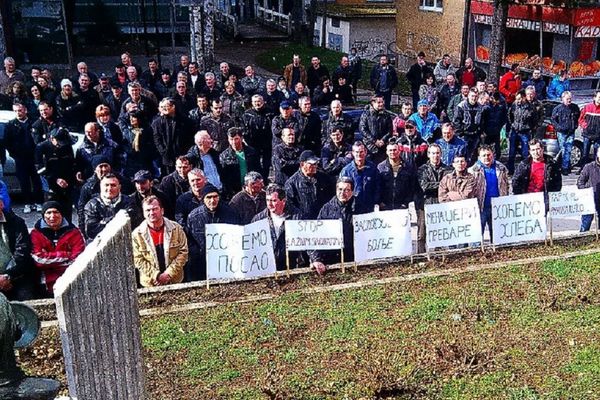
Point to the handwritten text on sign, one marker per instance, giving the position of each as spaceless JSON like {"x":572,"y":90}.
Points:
{"x":518,"y":218}
{"x":452,"y":223}
{"x":382,"y":234}
{"x":571,"y":201}
{"x":234,"y":252}
{"x":313,"y":234}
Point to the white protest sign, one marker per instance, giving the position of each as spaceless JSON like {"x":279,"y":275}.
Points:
{"x":324,"y":234}
{"x":571,"y":201}
{"x":234,"y":251}
{"x":381,"y":234}
{"x":518,"y":218}
{"x":452,"y":223}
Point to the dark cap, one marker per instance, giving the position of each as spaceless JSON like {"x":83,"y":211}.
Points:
{"x":142,"y":175}
{"x":97,"y":160}
{"x":421,"y":54}
{"x":51,"y":204}
{"x":309,"y":157}
{"x":103,"y":76}
{"x":62,"y":136}
{"x":114,"y":83}
{"x":281,"y":78}
{"x":409,"y":124}
{"x":209,"y":188}
{"x":285,"y":105}
{"x":165,"y":71}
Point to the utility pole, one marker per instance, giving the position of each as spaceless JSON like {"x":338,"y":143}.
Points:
{"x":498,"y":38}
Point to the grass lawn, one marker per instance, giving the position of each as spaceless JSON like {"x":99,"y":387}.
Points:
{"x":519,"y":333}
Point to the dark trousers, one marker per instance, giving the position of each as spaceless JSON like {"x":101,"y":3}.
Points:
{"x":387,"y":98}
{"x":28,"y":177}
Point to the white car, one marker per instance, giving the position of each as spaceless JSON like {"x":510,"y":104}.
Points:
{"x":8,"y":171}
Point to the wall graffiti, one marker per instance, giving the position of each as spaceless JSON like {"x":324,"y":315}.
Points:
{"x":370,"y":48}
{"x":432,"y":45}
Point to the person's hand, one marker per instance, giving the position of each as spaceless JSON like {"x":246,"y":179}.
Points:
{"x":62,"y":183}
{"x":5,"y":283}
{"x":319,"y":267}
{"x":164,"y":279}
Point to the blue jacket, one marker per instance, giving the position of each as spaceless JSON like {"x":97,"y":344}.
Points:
{"x":496,"y":118}
{"x":4,"y":195}
{"x":366,"y":184}
{"x":425,"y":127}
{"x":557,"y":87}
{"x":540,"y":87}
{"x":449,"y":149}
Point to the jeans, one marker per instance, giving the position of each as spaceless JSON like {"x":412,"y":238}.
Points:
{"x":586,"y":222}
{"x":565,"y":141}
{"x":494,"y":140}
{"x":28,"y":177}
{"x":471,"y":150}
{"x":486,"y":219}
{"x":523,"y":137}
{"x":587,"y":143}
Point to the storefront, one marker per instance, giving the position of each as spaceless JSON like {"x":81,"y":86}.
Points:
{"x":549,"y":38}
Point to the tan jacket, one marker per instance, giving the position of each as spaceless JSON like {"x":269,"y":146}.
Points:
{"x":501,"y":174}
{"x":454,"y":187}
{"x":287,"y":75}
{"x":146,"y":260}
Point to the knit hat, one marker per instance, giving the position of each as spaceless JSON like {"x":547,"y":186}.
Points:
{"x":98,"y":159}
{"x":51,"y":204}
{"x":209,"y":188}
{"x":422,"y":103}
{"x":65,"y":82}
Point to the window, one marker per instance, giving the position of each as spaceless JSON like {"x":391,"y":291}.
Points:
{"x":432,"y":5}
{"x":335,"y":22}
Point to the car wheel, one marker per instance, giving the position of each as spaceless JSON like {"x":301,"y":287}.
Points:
{"x":576,"y":154}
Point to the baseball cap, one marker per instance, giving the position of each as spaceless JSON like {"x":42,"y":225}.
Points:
{"x":285,"y":105}
{"x":142,"y":175}
{"x":309,"y":157}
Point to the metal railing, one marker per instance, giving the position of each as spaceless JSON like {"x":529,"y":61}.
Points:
{"x":277,"y":20}
{"x":227,"y":22}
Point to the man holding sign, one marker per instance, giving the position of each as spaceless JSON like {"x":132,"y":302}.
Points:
{"x":537,"y":173}
{"x":343,"y":206}
{"x":590,"y":177}
{"x":277,"y":212}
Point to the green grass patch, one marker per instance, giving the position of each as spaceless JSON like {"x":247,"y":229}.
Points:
{"x":514,"y":333}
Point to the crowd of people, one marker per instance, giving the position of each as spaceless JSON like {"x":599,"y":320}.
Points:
{"x":181,"y":149}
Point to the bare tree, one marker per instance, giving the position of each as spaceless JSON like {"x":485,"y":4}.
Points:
{"x":498,"y":38}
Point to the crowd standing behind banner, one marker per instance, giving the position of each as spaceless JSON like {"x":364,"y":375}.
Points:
{"x":183,"y":150}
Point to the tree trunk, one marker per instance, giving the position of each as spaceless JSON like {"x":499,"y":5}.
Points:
{"x":497,"y":39}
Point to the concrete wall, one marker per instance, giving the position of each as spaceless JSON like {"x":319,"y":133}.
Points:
{"x":343,"y":30}
{"x":371,"y":36}
{"x":435,"y":33}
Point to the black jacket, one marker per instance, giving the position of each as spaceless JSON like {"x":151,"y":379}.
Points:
{"x":55,"y":162}
{"x":309,"y":135}
{"x":195,"y":158}
{"x":344,"y":122}
{"x":164,"y":201}
{"x":469,"y":119}
{"x":278,"y":237}
{"x":286,"y":160}
{"x":257,"y":124}
{"x":231,"y":177}
{"x":334,"y":159}
{"x":566,"y":118}
{"x":186,"y":203}
{"x":172,"y":136}
{"x":309,"y":194}
{"x":18,"y":140}
{"x":396,"y":191}
{"x":41,"y":129}
{"x":374,"y":125}
{"x":278,"y":124}
{"x":248,"y":206}
{"x":429,"y":182}
{"x":590,"y":177}
{"x":416,"y":75}
{"x":19,"y":243}
{"x":217,"y":130}
{"x":552,"y":176}
{"x":522,"y":117}
{"x":173,"y":186}
{"x":98,"y":214}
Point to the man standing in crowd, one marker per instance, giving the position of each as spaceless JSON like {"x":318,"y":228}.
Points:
{"x":308,"y":189}
{"x":459,"y":184}
{"x":429,"y":175}
{"x":202,"y":110}
{"x":144,"y":188}
{"x":40,"y":130}
{"x":336,"y":153}
{"x":342,"y":206}
{"x":279,"y":210}
{"x":294,"y":72}
{"x":469,"y":74}
{"x":442,"y":69}
{"x":252,"y":83}
{"x":495,"y":121}
{"x":202,"y":155}
{"x":427,"y":123}
{"x":100,"y":210}
{"x":521,"y":122}
{"x":251,"y":199}
{"x":537,"y":81}
{"x":172,"y":135}
{"x":364,"y":177}
{"x":10,"y":74}
{"x":559,"y":84}
{"x":510,"y":83}
{"x":176,"y":183}
{"x":491,"y":177}
{"x":96,"y":144}
{"x":589,"y":122}
{"x":18,"y":141}
{"x":272,"y":98}
{"x":565,"y":117}
{"x":160,"y":249}
{"x":315,"y":73}
{"x":537,"y":173}
{"x":212,"y":211}
{"x":398,"y":181}
{"x":56,"y":243}
{"x":416,"y":76}
{"x":257,"y":124}
{"x":590,"y":177}
{"x":285,"y":157}
{"x":217,"y":124}
{"x":469,"y":121}
{"x":412,"y":147}
{"x":15,"y":257}
{"x":375,"y":123}
{"x":455,"y":101}
{"x":384,"y":80}
{"x":285,"y":119}
{"x":237,"y":160}
{"x":447,"y":91}
{"x":309,"y":123}
{"x":450,"y":144}
{"x":188,"y":201}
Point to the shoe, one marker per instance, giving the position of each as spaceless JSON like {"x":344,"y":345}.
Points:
{"x":26,"y":209}
{"x":38,"y":208}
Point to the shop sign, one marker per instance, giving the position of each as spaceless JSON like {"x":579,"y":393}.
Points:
{"x":482,"y":19}
{"x":561,"y":29}
{"x":587,"y":32}
{"x":522,"y":24}
{"x":586,"y":17}
{"x":517,"y":23}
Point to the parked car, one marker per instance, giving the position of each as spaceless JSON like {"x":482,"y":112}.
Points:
{"x":8,"y":170}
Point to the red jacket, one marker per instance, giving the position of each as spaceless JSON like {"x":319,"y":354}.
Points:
{"x":509,"y":85}
{"x":591,"y":109}
{"x":54,"y":251}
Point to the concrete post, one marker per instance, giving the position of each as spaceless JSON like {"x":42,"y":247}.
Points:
{"x":98,"y":316}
